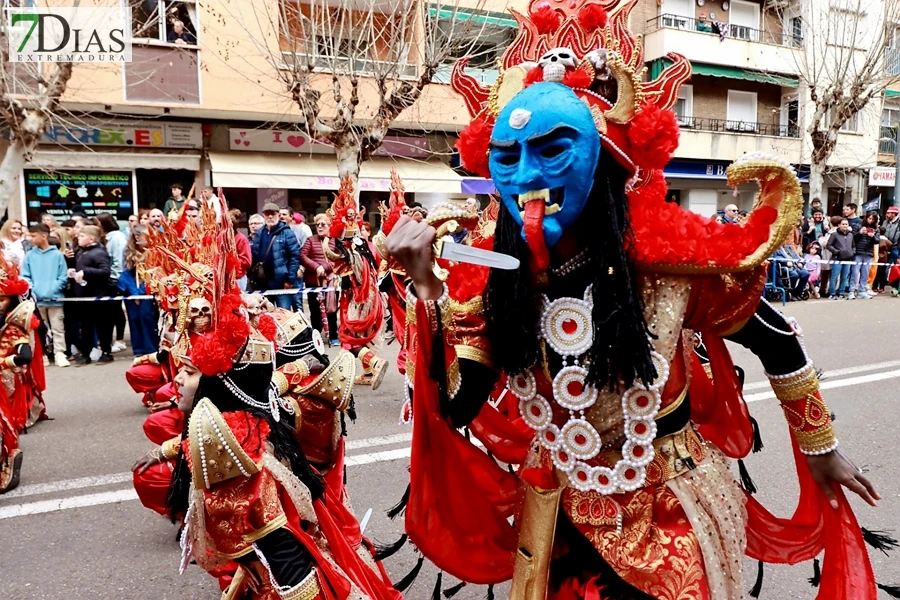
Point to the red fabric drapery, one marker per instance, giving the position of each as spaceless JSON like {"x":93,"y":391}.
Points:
{"x":460,"y":499}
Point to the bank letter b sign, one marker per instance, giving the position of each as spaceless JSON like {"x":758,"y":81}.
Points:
{"x":69,"y":34}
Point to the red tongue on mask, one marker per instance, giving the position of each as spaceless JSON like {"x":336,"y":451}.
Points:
{"x":534,"y":235}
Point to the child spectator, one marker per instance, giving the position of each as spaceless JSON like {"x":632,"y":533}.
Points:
{"x":811,"y":261}
{"x":825,"y":287}
{"x":91,"y":276}
{"x":44,"y":268}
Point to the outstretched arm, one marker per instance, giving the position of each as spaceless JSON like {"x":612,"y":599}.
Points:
{"x":470,"y":376}
{"x":778,"y":345}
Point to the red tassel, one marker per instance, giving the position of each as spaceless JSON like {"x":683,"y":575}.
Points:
{"x":592,"y":17}
{"x":545,"y":19}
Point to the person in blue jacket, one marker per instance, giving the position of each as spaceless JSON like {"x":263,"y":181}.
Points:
{"x":276,"y":257}
{"x":44,"y":268}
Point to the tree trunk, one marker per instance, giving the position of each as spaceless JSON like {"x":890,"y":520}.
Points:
{"x":348,"y":160}
{"x":817,"y":182}
{"x":10,"y":169}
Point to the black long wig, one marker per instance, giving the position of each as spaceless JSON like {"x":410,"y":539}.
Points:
{"x":621,"y":346}
{"x":254,"y":380}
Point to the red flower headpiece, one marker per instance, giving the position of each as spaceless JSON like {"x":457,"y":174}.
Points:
{"x":216,"y":351}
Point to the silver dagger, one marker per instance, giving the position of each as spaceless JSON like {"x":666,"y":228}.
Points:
{"x":450,"y":250}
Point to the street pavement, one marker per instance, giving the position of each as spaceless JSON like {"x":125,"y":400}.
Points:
{"x":74,"y":530}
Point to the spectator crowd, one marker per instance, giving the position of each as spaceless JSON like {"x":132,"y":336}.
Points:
{"x":94,"y":257}
{"x":842,"y":257}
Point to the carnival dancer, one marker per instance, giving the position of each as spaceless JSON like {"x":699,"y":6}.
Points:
{"x":240,"y":450}
{"x":624,"y":479}
{"x":361,"y":308}
{"x":21,"y":373}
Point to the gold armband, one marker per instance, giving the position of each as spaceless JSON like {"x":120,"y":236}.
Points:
{"x":169,"y":448}
{"x":806,"y":412}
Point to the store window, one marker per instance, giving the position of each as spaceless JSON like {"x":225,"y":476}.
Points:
{"x":87,"y":192}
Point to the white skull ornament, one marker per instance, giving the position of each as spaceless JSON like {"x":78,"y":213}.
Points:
{"x":555,"y":62}
{"x":200,"y":315}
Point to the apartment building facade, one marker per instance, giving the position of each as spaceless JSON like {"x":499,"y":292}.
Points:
{"x":209,"y":108}
{"x":746,"y":94}
{"x":212,"y":111}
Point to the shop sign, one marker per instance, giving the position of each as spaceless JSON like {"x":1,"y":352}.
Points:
{"x":86,"y":192}
{"x":882,"y":177}
{"x":265,"y":196}
{"x":151,"y":135}
{"x":274,"y":140}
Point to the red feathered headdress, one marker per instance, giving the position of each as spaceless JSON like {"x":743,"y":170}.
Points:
{"x":636,"y":127}
{"x":633,"y":117}
{"x":396,"y":206}
{"x":344,"y":214}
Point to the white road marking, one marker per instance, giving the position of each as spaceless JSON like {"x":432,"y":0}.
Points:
{"x":67,"y":484}
{"x":758,"y":385}
{"x":45,"y":506}
{"x":383,"y":440}
{"x":365,"y":459}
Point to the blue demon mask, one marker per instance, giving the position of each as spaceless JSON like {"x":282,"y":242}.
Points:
{"x":544,"y":152}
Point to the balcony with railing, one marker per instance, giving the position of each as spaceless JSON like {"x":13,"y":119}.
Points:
{"x":751,"y":127}
{"x":361,"y":65}
{"x":723,"y":139}
{"x":724,"y":44}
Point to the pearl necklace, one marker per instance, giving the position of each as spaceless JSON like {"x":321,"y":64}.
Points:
{"x":271,"y":405}
{"x":573,"y":264}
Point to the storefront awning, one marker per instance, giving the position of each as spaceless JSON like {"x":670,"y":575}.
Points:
{"x":476,"y":16}
{"x":262,"y":170}
{"x":891,"y":93}
{"x":87,"y":159}
{"x":657,"y":66}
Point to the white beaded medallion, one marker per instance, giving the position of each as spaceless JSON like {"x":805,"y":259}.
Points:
{"x":639,"y":403}
{"x":317,"y":341}
{"x":523,"y":385}
{"x":550,"y":437}
{"x":662,"y":373}
{"x":582,"y":477}
{"x":536,"y":412}
{"x":637,"y":455}
{"x":642,"y":431}
{"x":581,"y":439}
{"x":570,"y":390}
{"x":567,"y":326}
{"x":562,"y":460}
{"x":603,"y":480}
